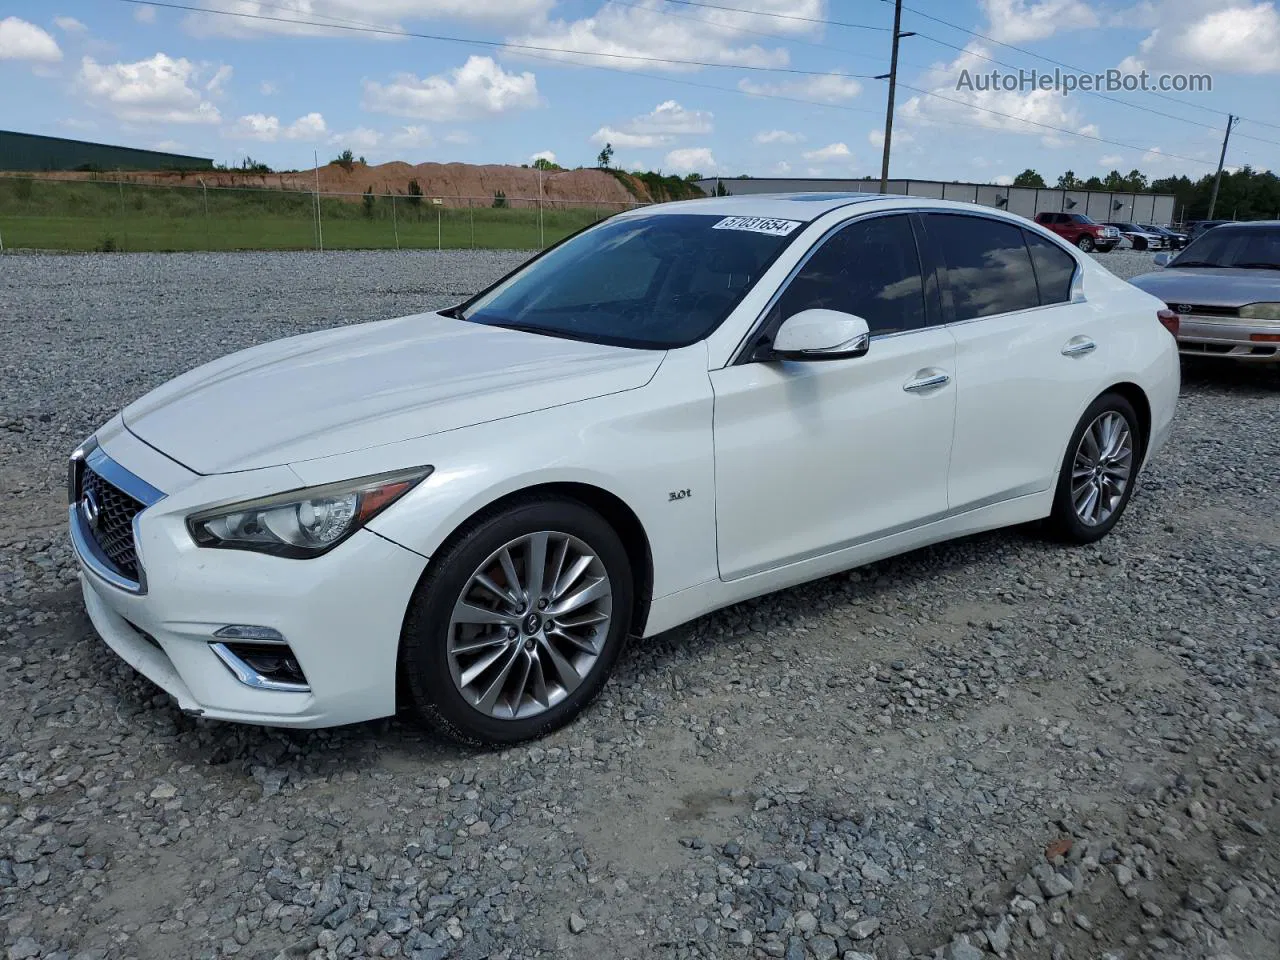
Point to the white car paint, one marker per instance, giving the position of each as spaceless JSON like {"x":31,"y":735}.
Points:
{"x":794,"y":470}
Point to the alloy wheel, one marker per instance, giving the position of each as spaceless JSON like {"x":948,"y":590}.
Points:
{"x":1102,"y":468}
{"x":530,"y":625}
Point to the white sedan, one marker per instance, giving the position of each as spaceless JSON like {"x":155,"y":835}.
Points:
{"x":470,"y":511}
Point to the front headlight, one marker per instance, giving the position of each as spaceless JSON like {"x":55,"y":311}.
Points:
{"x":302,"y":523}
{"x":1260,"y":311}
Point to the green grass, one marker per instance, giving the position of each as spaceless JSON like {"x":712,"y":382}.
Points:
{"x":86,"y":215}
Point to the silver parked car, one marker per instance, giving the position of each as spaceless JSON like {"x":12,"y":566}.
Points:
{"x":1225,"y":287}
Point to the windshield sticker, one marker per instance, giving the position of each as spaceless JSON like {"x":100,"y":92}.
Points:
{"x":775,"y":228}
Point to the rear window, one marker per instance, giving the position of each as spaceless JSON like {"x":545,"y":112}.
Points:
{"x":987,"y":265}
{"x":1055,"y":269}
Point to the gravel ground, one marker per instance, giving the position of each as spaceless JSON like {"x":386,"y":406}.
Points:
{"x":997,"y":746}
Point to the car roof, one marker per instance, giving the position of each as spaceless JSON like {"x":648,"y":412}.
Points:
{"x":1247,"y":224}
{"x":781,"y":206}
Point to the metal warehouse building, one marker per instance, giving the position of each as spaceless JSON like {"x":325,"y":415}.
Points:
{"x":28,"y":151}
{"x":1101,"y":205}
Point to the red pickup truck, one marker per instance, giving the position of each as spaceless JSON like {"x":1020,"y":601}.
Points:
{"x":1077,"y":229}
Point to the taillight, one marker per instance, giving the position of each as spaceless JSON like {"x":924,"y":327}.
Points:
{"x":1169,"y":320}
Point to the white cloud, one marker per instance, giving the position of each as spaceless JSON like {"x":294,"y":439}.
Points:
{"x":410,"y":136}
{"x":144,"y":14}
{"x":657,"y":128}
{"x":547,"y":155}
{"x":1008,"y":111}
{"x":361,"y":138}
{"x":778,"y":136}
{"x":1154,"y":155}
{"x":259,"y":126}
{"x":644,"y":29}
{"x":1019,"y":21}
{"x":1231,"y":36}
{"x":390,"y":14}
{"x":457,"y":137}
{"x":160,"y":89}
{"x":69,"y":25}
{"x":1111,"y":160}
{"x":218,"y":80}
{"x":478,"y":88}
{"x":830,"y":153}
{"x":268,"y":89}
{"x":781,"y":168}
{"x":621,"y":138}
{"x":691,"y":160}
{"x":1003,"y":180}
{"x":829,"y":88}
{"x":876,"y":138}
{"x":20,"y":40}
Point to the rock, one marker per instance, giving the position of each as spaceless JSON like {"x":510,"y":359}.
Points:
{"x":823,"y":948}
{"x":24,"y":949}
{"x":961,"y":949}
{"x":864,"y":928}
{"x":999,"y":938}
{"x":576,"y":923}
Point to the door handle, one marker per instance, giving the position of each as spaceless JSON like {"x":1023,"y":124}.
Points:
{"x":1078,"y":347}
{"x":926,"y":383}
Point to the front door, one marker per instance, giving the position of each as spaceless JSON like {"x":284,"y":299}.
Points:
{"x":815,"y":456}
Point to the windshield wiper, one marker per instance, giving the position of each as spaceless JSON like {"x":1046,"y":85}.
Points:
{"x":1257,"y":265}
{"x":1194,"y":263}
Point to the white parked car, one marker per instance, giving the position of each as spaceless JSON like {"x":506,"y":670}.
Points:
{"x":672,"y":411}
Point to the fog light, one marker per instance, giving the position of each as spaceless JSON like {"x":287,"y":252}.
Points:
{"x":263,"y":665}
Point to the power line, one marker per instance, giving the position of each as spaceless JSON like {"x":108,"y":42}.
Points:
{"x":782,"y":16}
{"x":502,"y":44}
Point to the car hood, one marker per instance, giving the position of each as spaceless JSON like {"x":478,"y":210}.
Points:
{"x":331,"y":392}
{"x":1212,"y":286}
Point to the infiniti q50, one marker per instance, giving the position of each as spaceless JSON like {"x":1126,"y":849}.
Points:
{"x":469,"y":512}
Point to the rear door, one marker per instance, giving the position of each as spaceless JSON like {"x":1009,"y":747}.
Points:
{"x":1027,"y":356}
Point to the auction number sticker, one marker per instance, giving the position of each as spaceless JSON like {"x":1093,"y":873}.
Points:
{"x":775,"y":228}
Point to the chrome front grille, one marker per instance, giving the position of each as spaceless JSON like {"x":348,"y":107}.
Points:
{"x":108,"y":514}
{"x":104,"y":501}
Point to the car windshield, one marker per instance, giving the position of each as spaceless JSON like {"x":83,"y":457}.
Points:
{"x":1251,"y":248}
{"x":654,"y":281}
{"x":1081,"y":218}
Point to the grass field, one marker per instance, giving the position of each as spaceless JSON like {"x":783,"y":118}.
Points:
{"x":86,"y":215}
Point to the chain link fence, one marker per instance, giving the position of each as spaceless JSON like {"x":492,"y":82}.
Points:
{"x":118,"y":215}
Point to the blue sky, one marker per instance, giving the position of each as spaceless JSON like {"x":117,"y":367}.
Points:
{"x":780,"y":95}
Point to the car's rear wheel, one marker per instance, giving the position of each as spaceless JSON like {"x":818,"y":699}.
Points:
{"x":1097,"y":475}
{"x":518,"y":622}
{"x":1086,"y":244}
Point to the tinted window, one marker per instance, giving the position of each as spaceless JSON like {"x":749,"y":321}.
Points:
{"x":1080,"y":218}
{"x":987,"y":265}
{"x":870,"y":269}
{"x":655,"y":280}
{"x":1225,"y":246}
{"x":1055,"y":269}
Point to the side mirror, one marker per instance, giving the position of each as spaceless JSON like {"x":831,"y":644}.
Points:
{"x":822,"y":335}
{"x":1162,"y":259}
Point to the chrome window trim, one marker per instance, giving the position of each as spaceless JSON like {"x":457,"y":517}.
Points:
{"x":739,"y":352}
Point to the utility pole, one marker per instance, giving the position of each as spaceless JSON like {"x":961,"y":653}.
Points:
{"x":1232,"y":120}
{"x":892,"y":77}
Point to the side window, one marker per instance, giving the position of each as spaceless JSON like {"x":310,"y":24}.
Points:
{"x":870,"y":269}
{"x":987,"y":264}
{"x":1055,"y":268}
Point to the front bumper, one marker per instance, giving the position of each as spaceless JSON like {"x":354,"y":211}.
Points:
{"x":340,"y":614}
{"x":1230,"y":339}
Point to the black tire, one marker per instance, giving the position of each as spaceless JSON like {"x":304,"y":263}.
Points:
{"x":1139,"y":243}
{"x":424,"y":657}
{"x":1086,"y":244}
{"x":1064,"y":523}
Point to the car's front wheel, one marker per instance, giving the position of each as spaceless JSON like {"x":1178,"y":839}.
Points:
{"x":518,"y":622}
{"x":1097,"y":475}
{"x":1086,"y":244}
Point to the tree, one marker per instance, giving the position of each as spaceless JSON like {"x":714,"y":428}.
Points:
{"x":1068,"y":181}
{"x":415,"y":193}
{"x":368,"y":201}
{"x":606,"y":156}
{"x":346,"y":160}
{"x":1029,"y":178}
{"x":1093,"y":183}
{"x":1136,"y":181}
{"x":499,"y":198}
{"x":692,"y":177}
{"x":542,"y":163}
{"x":1114,"y":181}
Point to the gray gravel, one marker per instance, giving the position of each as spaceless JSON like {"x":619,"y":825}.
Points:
{"x":996,"y":747}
